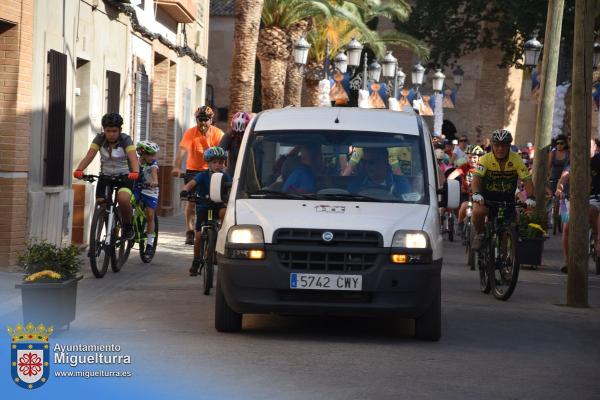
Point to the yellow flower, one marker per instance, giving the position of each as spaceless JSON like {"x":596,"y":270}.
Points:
{"x":537,"y":227}
{"x":43,"y":274}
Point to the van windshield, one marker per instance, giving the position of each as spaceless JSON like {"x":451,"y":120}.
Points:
{"x":334,"y":165}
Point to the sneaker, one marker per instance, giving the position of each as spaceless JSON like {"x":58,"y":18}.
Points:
{"x":189,"y":237}
{"x":128,"y":233}
{"x":476,"y":243}
{"x":149,"y":251}
{"x":195,"y":267}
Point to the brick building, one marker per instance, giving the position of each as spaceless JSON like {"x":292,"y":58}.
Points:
{"x":16,"y":31}
{"x":64,"y":64}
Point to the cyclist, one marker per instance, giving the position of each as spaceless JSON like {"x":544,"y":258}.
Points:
{"x":148,"y":196}
{"x":117,"y":157}
{"x":194,"y":143}
{"x":215,"y":157}
{"x":232,"y":140}
{"x":496,"y":179}
{"x":466,"y":171}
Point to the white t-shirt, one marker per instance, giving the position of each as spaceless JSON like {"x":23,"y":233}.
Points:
{"x":459,"y":153}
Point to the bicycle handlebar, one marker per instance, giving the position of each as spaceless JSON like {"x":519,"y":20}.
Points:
{"x":93,"y":178}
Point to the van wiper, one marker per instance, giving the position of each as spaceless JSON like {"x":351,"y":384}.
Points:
{"x":349,"y":196}
{"x":266,"y":193}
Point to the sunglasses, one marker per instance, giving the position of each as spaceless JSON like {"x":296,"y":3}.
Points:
{"x":557,"y":143}
{"x":202,"y":119}
{"x":463,"y":140}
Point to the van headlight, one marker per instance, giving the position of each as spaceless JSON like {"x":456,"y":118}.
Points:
{"x":245,"y":234}
{"x":410,"y":240}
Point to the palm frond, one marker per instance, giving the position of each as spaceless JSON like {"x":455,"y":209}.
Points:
{"x":410,"y":42}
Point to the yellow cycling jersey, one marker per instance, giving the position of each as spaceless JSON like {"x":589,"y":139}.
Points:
{"x":399,"y":159}
{"x":504,"y":181}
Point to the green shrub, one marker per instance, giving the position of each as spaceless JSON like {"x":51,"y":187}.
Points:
{"x":40,"y":259}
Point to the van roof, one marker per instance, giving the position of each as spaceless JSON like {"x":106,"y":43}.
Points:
{"x":349,"y":118}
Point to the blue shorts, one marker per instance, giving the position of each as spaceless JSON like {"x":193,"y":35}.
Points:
{"x":147,"y":201}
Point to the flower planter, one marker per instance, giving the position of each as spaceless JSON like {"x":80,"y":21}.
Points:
{"x":529,"y":251}
{"x":52,"y":304}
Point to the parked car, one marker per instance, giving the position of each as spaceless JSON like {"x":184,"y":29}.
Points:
{"x":333,"y":211}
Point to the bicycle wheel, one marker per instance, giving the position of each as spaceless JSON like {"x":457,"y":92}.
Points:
{"x":483,"y":262}
{"x":468,"y":241}
{"x":209,"y":258}
{"x":121,"y":246}
{"x":506,"y":266}
{"x":148,"y":257}
{"x":100,"y":252}
{"x":451,"y":227}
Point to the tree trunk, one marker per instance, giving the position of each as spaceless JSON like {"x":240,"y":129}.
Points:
{"x":293,"y":85}
{"x":543,"y":128}
{"x":310,"y":96}
{"x":241,"y":84}
{"x":581,"y":121}
{"x":273,"y":52}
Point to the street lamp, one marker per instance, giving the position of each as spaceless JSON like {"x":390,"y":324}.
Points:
{"x":438,"y":81}
{"x":596,"y":55}
{"x":354,"y":48}
{"x":532,"y":52}
{"x":374,"y":71}
{"x":341,"y":62}
{"x":418,"y":72}
{"x":389,"y":65}
{"x":458,"y":75}
{"x":301,"y":48}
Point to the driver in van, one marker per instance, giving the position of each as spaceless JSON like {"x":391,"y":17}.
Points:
{"x":377,"y":174}
{"x":303,"y":178}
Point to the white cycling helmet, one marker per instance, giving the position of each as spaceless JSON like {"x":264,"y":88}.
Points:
{"x":239,"y":121}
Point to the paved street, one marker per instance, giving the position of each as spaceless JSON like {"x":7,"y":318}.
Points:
{"x":530,"y":347}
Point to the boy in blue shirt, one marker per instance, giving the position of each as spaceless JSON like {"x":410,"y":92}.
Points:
{"x":215,"y":157}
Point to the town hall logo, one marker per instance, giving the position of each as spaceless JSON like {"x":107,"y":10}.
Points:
{"x":30,"y":355}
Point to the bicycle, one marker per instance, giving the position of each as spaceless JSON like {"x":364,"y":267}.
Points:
{"x":208,"y":241}
{"x":106,"y":244}
{"x":447,"y":224}
{"x":497,"y":259}
{"x":139,"y":225}
{"x":593,"y":254}
{"x":467,"y":236}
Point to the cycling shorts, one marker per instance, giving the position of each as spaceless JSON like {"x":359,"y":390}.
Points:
{"x":103,"y":187}
{"x":147,"y":201}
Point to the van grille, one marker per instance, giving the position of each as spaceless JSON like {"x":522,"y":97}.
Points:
{"x":326,"y":261}
{"x":340,"y":237}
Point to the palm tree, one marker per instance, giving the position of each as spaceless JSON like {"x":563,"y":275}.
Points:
{"x":293,"y":83}
{"x":241,"y":84}
{"x":354,"y":18}
{"x":274,"y":44}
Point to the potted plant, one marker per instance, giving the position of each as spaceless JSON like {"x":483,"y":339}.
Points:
{"x":49,"y":288}
{"x":532,"y":231}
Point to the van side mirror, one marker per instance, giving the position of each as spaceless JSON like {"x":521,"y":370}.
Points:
{"x":219,"y":188}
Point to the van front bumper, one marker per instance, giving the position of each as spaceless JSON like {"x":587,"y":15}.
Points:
{"x":263,"y":286}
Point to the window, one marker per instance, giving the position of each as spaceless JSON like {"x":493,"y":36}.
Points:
{"x":113,"y":84}
{"x":141,"y":103}
{"x":362,"y":166}
{"x":54,"y":155}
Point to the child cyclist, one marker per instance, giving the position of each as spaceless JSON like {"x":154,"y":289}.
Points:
{"x":146,"y":189}
{"x":117,"y":158}
{"x":215,"y":157}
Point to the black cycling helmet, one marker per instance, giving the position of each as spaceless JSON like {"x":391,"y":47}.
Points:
{"x":204,"y":113}
{"x":112,"y":120}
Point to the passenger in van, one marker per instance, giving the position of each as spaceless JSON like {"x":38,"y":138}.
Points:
{"x":303,"y":178}
{"x":376,"y":173}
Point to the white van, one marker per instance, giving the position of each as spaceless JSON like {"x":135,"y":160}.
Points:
{"x":333,"y":211}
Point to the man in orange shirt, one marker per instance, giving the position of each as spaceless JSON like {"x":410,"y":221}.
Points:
{"x":194,"y":143}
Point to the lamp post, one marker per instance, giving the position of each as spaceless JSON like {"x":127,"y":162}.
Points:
{"x":389,"y":63}
{"x":341,"y":62}
{"x":438,"y":81}
{"x":458,"y":75}
{"x":418,"y":73}
{"x":354,"y":48}
{"x":400,"y":78}
{"x":301,"y":48}
{"x":532,"y":52}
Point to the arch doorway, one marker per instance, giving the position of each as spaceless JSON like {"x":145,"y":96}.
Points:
{"x":449,"y":130}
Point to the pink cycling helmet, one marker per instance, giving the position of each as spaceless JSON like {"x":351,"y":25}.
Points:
{"x":239,"y":121}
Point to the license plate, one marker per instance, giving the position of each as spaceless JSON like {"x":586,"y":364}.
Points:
{"x":325,"y":281}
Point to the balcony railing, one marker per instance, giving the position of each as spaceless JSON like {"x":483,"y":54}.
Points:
{"x":183,"y":11}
